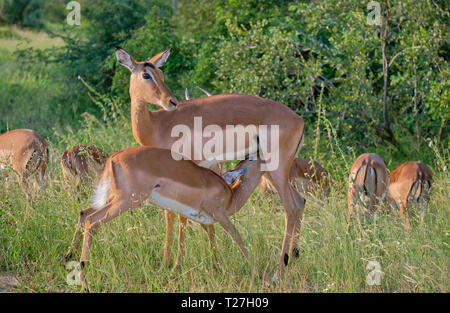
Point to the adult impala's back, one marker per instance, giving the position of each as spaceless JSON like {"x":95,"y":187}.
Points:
{"x":409,"y":183}
{"x":156,"y":129}
{"x":27,"y":153}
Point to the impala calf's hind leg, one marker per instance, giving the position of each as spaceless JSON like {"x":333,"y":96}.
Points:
{"x":91,"y":225}
{"x":78,"y":232}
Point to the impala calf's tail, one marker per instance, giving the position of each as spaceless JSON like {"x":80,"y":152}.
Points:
{"x":102,"y":191}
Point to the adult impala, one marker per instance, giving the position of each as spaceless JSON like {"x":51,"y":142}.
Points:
{"x":134,"y":175}
{"x":309,"y":176}
{"x":155,"y":129}
{"x":409,"y":183}
{"x":368,"y":182}
{"x":27,"y":153}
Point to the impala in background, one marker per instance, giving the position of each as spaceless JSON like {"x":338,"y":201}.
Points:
{"x":27,"y":153}
{"x":82,"y":163}
{"x":410,"y":184}
{"x":367,"y":185}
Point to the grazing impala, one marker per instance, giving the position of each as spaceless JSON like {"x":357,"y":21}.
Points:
{"x":308,"y":175}
{"x":82,"y":162}
{"x":410,"y":183}
{"x":155,"y":128}
{"x":134,"y":175}
{"x":27,"y":153}
{"x":368,"y":182}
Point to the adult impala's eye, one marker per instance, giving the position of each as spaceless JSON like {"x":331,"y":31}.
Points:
{"x":146,"y":75}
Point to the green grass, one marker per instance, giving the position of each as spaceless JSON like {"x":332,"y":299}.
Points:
{"x":13,"y":38}
{"x":126,"y":254}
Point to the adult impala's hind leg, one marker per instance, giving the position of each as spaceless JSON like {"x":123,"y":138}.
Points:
{"x":296,"y":235}
{"x":404,"y":211}
{"x":25,"y":186}
{"x":280,"y":179}
{"x":424,"y":200}
{"x":78,"y":232}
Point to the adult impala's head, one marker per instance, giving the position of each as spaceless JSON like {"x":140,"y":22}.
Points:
{"x":147,"y":80}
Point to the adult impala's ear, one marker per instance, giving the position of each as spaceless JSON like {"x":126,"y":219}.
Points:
{"x":161,"y":58}
{"x":125,"y":58}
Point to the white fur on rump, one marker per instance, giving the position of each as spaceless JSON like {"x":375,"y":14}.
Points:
{"x":101,"y":193}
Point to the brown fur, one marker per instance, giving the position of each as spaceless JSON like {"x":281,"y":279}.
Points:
{"x":27,"y":152}
{"x":153,"y":128}
{"x":82,"y":162}
{"x":309,"y":176}
{"x":409,"y":183}
{"x":135,"y":173}
{"x":361,"y":183}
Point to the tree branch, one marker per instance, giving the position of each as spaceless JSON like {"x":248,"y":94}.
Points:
{"x":401,"y":52}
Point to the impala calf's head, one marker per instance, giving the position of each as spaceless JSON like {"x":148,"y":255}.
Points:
{"x":147,"y":80}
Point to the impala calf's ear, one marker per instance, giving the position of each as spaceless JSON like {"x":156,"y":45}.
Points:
{"x":125,"y":58}
{"x":161,"y":58}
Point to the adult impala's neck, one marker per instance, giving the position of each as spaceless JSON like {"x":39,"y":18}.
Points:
{"x":142,"y":123}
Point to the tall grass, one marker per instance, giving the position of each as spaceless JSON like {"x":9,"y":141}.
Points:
{"x":126,"y":253}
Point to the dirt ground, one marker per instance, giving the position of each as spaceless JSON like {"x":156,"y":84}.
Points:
{"x":8,"y":283}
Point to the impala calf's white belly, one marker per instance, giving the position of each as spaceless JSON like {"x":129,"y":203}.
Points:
{"x":180,"y":208}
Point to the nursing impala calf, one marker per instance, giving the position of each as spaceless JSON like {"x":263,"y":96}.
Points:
{"x":82,"y":163}
{"x":309,"y":176}
{"x":27,"y":153}
{"x":368,"y":182}
{"x":134,"y":175}
{"x":409,"y":183}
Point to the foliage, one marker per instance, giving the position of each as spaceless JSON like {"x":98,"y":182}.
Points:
{"x":320,"y":58}
{"x":155,"y":36}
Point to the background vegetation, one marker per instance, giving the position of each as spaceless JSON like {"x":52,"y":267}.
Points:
{"x":359,"y":87}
